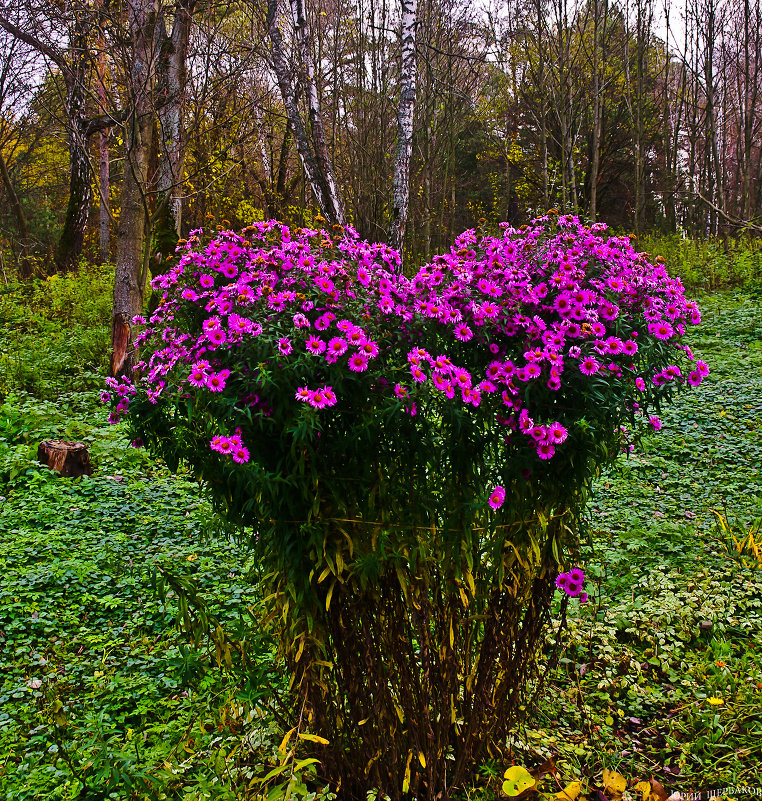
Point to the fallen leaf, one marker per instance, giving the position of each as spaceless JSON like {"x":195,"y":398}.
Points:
{"x":614,"y":783}
{"x":517,"y":781}
{"x":570,"y":792}
{"x":658,"y":791}
{"x":644,"y":788}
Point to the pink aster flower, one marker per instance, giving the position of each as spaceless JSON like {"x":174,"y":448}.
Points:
{"x":557,"y":433}
{"x":661,"y":330}
{"x":461,"y":377}
{"x":241,"y":455}
{"x":318,"y":399}
{"x":215,"y":382}
{"x":324,"y":321}
{"x":337,"y":346}
{"x":400,"y":391}
{"x":702,"y":368}
{"x":329,"y":396}
{"x":640,"y":384}
{"x":216,"y":336}
{"x":356,"y":337}
{"x":545,"y":450}
{"x":463,"y":332}
{"x":225,"y":445}
{"x":197,"y":378}
{"x":303,"y":394}
{"x":614,"y":345}
{"x":538,"y":433}
{"x":369,"y":349}
{"x":497,"y":498}
{"x":655,"y":422}
{"x":418,"y":375}
{"x":440,"y":382}
{"x":358,"y":363}
{"x":284,"y":346}
{"x":589,"y":366}
{"x":315,"y":345}
{"x":577,"y":575}
{"x":695,"y":378}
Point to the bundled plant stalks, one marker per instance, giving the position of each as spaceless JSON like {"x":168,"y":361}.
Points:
{"x":414,"y":455}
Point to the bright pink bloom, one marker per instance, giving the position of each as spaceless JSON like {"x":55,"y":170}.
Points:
{"x":315,"y":345}
{"x":337,"y":346}
{"x":497,"y":498}
{"x":358,"y":363}
{"x":589,"y":366}
{"x":545,"y":450}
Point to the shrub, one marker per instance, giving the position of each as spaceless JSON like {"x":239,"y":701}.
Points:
{"x":55,"y":332}
{"x":413,"y":455}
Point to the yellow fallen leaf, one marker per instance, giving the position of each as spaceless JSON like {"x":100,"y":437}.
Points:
{"x":614,"y":782}
{"x":644,"y":788}
{"x":517,"y":781}
{"x":570,"y":792}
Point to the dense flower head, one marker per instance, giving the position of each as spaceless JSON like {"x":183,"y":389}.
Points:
{"x":542,"y":333}
{"x":571,"y":583}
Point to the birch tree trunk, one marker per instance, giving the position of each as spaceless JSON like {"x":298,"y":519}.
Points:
{"x":132,"y":252}
{"x":312,"y":150}
{"x":401,"y":191}
{"x":171,"y":81}
{"x":308,"y":85}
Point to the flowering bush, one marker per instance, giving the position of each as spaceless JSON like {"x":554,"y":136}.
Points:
{"x":413,"y":452}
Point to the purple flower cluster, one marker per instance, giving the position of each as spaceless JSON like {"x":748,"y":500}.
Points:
{"x":122,"y":389}
{"x":489,"y":326}
{"x":231,"y":446}
{"x":571,"y":583}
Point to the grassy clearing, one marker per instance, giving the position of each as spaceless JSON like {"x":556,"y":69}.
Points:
{"x":660,"y":674}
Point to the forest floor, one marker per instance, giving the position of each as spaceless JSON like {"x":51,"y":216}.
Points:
{"x":660,"y":673}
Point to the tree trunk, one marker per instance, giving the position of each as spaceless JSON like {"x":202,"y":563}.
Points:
{"x":171,"y":80}
{"x":401,"y":192}
{"x":317,"y":168}
{"x":104,"y":177}
{"x":25,"y":270}
{"x":131,"y":252}
{"x":80,"y":188}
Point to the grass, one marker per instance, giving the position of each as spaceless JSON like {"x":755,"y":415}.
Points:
{"x":100,"y":698}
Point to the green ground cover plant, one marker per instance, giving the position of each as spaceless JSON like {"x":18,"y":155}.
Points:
{"x":660,"y":674}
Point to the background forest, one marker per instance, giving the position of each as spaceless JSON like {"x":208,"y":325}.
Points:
{"x":644,"y":115}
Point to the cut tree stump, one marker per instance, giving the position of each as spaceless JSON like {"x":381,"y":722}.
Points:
{"x":70,"y":459}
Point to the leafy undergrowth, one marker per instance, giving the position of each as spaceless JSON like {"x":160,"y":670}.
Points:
{"x":660,"y":673}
